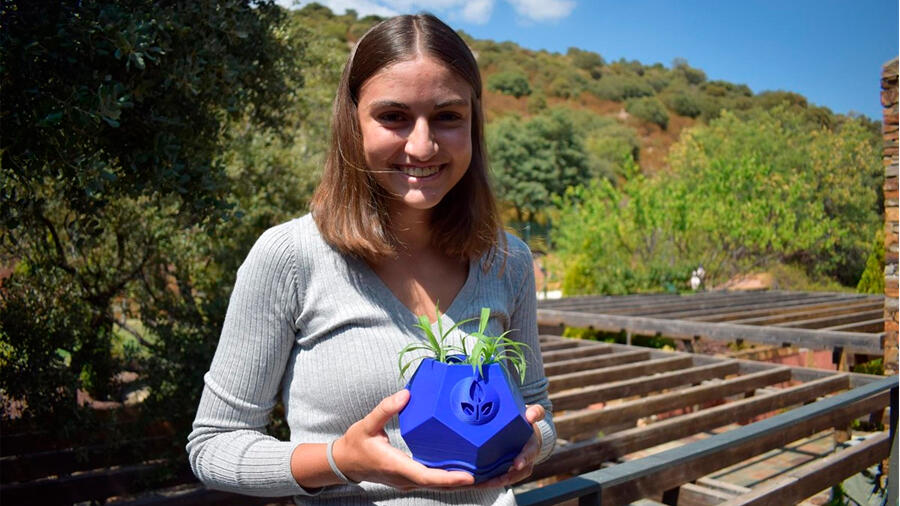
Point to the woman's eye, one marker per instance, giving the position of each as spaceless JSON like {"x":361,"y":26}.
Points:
{"x":449,"y":116}
{"x":391,"y":117}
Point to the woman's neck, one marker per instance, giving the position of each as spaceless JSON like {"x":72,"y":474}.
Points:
{"x":412,"y":228}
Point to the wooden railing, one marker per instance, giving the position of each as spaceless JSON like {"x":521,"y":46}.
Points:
{"x":664,"y":473}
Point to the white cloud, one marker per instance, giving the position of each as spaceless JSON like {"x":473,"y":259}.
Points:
{"x":543,"y":10}
{"x":473,"y":11}
{"x":478,"y":11}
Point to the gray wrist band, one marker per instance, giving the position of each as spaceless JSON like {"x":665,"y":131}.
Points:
{"x":334,"y":468}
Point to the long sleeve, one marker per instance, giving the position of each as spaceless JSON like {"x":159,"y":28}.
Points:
{"x":228,"y":447}
{"x":524,"y":320}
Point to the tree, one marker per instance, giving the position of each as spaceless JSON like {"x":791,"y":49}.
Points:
{"x":535,"y":160}
{"x":649,"y":109}
{"x":744,"y":193}
{"x":114,"y":118}
{"x":510,"y":82}
{"x":690,"y":74}
{"x":587,"y":61}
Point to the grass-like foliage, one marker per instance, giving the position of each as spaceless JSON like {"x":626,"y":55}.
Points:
{"x":486,"y":349}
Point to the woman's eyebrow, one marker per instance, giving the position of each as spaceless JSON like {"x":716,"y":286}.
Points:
{"x":378,"y":104}
{"x":452,"y":103}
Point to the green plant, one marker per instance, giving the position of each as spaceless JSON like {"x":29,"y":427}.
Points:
{"x":486,"y":350}
{"x":649,"y":109}
{"x":511,"y":83}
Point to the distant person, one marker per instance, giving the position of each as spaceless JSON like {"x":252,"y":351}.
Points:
{"x":404,"y":218}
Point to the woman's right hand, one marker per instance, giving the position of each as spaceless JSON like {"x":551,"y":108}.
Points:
{"x":364,"y":453}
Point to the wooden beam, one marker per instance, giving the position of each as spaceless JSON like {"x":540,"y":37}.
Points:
{"x":792,"y":303}
{"x":818,"y":339}
{"x":620,"y":372}
{"x":578,"y":423}
{"x":803,"y":312}
{"x":561,"y":344}
{"x":581,"y":364}
{"x":831,"y":320}
{"x":767,"y":310}
{"x":583,"y":397}
{"x":590,"y":454}
{"x":695,"y":303}
{"x":873,"y":325}
{"x":696,"y":495}
{"x":802,"y":482}
{"x":585,"y":350}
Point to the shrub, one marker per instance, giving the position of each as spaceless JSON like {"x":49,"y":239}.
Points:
{"x":872,"y":278}
{"x":649,"y":109}
{"x":511,"y":83}
{"x":620,"y":87}
{"x":684,"y":103}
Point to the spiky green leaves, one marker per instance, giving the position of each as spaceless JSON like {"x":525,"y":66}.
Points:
{"x":486,"y":350}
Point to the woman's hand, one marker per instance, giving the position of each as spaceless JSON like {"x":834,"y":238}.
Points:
{"x":523,"y":464}
{"x":364,"y":453}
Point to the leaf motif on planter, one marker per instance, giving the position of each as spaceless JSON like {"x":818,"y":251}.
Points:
{"x":474,"y":401}
{"x":476,"y":392}
{"x":478,"y":407}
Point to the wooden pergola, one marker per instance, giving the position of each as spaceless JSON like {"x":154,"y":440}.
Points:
{"x":633,"y":423}
{"x":842,"y":322}
{"x":639,"y":423}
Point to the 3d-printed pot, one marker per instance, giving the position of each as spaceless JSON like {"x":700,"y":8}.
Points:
{"x":459,"y":420}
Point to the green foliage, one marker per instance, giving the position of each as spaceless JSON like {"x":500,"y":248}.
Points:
{"x":875,"y":367}
{"x":114,"y":119}
{"x":619,"y":87}
{"x":435,"y":344}
{"x":649,"y":109}
{"x":567,"y":84}
{"x":739,"y":199}
{"x":496,"y":349}
{"x":610,"y":147}
{"x":486,"y":349}
{"x":681,"y":69}
{"x":535,"y":160}
{"x":684,"y":103}
{"x":587,"y":60}
{"x":872,"y":278}
{"x":511,"y":83}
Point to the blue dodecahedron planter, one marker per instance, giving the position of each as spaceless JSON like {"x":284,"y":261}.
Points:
{"x":458,"y":420}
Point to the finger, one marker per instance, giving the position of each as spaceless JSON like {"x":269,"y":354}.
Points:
{"x":408,"y":472}
{"x":528,"y":454}
{"x":535,"y":413}
{"x":375,"y":421}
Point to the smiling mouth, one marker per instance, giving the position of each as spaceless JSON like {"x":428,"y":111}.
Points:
{"x":419,"y":171}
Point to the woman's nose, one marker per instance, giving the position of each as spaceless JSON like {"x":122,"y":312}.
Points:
{"x":420,"y":143}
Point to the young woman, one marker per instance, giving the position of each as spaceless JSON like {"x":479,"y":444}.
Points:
{"x":403,"y":221}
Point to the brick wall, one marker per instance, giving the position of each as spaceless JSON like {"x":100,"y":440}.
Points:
{"x":889,"y":102}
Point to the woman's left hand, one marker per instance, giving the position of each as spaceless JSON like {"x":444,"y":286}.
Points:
{"x":523,"y":464}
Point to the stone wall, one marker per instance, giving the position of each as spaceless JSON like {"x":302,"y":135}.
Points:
{"x":889,"y":102}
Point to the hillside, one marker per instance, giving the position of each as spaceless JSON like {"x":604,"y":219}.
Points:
{"x":654,"y":102}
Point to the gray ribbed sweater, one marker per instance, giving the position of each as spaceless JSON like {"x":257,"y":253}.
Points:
{"x":322,"y":330}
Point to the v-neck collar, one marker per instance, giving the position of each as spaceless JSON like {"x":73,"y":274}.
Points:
{"x":372,"y":279}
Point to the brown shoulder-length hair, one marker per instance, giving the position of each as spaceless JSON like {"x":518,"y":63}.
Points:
{"x":348,"y":206}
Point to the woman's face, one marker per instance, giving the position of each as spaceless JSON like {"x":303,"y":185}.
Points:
{"x":416,"y":123}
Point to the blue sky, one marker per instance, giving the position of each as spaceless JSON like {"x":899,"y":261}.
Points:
{"x":828,"y":50}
